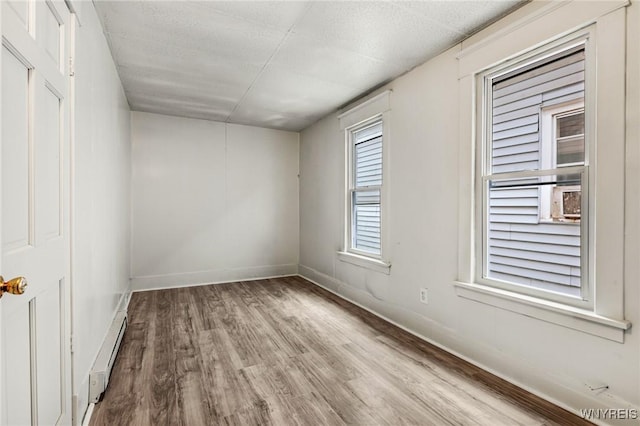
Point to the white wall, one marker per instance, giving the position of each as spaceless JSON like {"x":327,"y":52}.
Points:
{"x":101,"y":197}
{"x":549,"y":359}
{"x":212,"y":202}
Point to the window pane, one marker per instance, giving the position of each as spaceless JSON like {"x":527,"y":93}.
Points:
{"x":566,"y":180}
{"x":571,"y":125}
{"x":570,"y":150}
{"x":368,"y":133}
{"x":366,"y":221}
{"x":515,"y":119}
{"x":522,"y":249}
{"x":368,"y":162}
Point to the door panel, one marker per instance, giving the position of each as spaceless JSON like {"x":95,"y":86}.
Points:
{"x":35,"y":348}
{"x":48,"y":345}
{"x":18,"y":395}
{"x":15,"y":153}
{"x":48,"y":176}
{"x":49,"y":28}
{"x":22,"y":11}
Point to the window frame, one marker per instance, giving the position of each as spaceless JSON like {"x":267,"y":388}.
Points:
{"x":352,"y":188}
{"x":484,"y":173}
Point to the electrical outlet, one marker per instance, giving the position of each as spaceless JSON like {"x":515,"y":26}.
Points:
{"x":424,"y":296}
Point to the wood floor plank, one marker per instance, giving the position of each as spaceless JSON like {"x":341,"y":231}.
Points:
{"x":346,"y":404}
{"x":286,"y":352}
{"x":286,"y":340}
{"x":193,"y":404}
{"x":450,"y":385}
{"x":128,"y":393}
{"x":229,"y":389}
{"x":163,"y":386}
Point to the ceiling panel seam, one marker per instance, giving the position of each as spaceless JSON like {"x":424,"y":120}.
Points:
{"x":431,"y":20}
{"x":268,"y":62}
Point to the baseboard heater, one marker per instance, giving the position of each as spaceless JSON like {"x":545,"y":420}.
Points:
{"x":99,"y":376}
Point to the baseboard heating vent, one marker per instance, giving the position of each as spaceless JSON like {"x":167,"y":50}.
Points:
{"x":99,"y":376}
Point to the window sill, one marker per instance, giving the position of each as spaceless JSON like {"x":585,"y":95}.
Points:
{"x":553,"y":312}
{"x":559,"y":222}
{"x":365,"y":262}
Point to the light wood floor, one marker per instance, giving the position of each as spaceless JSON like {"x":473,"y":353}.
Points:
{"x":286,"y":352}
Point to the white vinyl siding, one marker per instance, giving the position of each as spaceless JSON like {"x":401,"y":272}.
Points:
{"x":519,"y":248}
{"x":366,"y":189}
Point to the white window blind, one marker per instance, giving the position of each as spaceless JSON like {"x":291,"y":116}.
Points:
{"x":366,"y":190}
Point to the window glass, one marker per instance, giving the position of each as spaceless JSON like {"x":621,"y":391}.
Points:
{"x":366,"y":189}
{"x":537,"y":128}
{"x":570,"y":139}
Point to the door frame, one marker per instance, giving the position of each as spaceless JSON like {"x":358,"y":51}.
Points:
{"x":1,"y":329}
{"x":76,"y":416}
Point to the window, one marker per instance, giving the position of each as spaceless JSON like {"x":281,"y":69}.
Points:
{"x":366,"y":128}
{"x":535,"y":177}
{"x":562,"y":135}
{"x":525,"y":96}
{"x":365,"y":189}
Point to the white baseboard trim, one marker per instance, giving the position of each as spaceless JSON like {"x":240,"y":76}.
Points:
{"x":123,"y":305}
{"x":192,"y":279}
{"x":542,"y":385}
{"x":87,"y":416}
{"x":82,"y":392}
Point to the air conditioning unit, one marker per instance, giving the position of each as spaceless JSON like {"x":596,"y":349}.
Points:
{"x":566,"y":203}
{"x":99,"y":376}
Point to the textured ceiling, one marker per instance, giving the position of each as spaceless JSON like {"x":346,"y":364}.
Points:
{"x":277,"y":64}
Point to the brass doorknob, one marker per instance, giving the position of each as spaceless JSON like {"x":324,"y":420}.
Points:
{"x":15,"y":286}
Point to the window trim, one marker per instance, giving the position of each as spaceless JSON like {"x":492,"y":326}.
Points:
{"x":365,"y":262}
{"x":585,"y":320}
{"x":376,"y":108}
{"x":548,"y":23}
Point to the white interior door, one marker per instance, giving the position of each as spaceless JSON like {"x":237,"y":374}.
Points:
{"x":34,"y":238}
